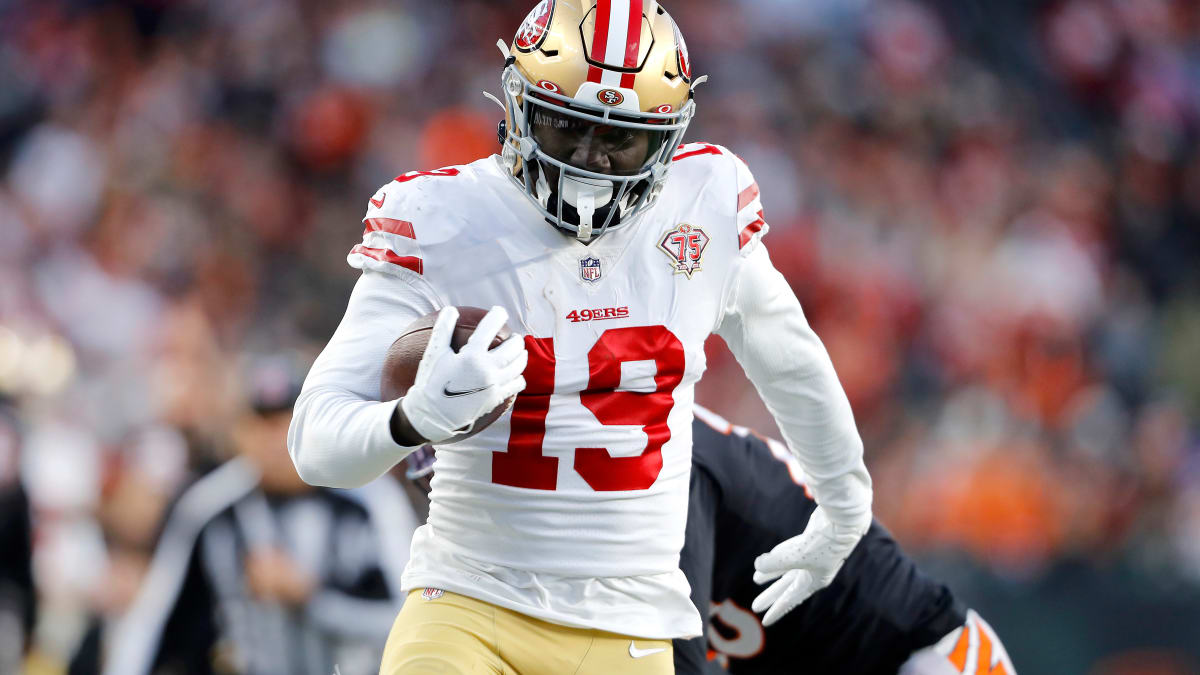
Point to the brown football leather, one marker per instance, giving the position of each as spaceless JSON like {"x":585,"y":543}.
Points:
{"x":403,"y":357}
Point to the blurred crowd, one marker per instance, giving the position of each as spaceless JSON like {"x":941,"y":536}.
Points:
{"x":990,"y":211}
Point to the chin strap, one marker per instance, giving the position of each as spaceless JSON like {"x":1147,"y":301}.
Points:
{"x":586,"y":195}
{"x":581,"y":194}
{"x":543,"y":189}
{"x":586,"y":206}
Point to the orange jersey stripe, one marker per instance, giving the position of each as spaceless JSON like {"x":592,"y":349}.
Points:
{"x":984,"y":661}
{"x":958,"y":656}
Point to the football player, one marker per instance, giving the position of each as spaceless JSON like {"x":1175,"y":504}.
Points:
{"x":256,"y":572}
{"x":553,"y":538}
{"x":880,"y":615}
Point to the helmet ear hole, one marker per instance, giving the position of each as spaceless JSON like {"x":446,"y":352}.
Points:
{"x":502,"y":131}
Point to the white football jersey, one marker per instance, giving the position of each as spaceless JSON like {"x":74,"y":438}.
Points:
{"x":572,"y":507}
{"x":587,"y":476}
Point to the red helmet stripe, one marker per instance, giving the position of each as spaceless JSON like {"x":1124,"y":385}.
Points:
{"x":600,"y":37}
{"x":633,"y":40}
{"x":616,"y":41}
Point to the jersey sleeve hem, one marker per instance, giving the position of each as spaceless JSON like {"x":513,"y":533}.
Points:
{"x":389,"y":239}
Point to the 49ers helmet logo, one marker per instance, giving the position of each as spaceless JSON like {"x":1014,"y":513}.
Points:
{"x":685,"y":61}
{"x":533,"y":30}
{"x":610,"y":97}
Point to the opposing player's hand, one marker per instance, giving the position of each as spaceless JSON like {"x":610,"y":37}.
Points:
{"x":803,"y":565}
{"x":454,"y":389}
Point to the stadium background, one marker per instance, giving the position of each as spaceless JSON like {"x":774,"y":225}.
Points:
{"x":990,"y":210}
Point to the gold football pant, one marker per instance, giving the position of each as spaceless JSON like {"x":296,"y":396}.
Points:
{"x":452,"y":634}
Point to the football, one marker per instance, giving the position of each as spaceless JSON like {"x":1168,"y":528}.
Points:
{"x":403,"y":357}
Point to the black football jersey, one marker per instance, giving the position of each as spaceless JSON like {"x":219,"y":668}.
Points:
{"x":745,"y":500}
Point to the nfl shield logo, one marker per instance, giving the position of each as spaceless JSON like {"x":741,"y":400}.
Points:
{"x":432,"y":593}
{"x":589,"y":269}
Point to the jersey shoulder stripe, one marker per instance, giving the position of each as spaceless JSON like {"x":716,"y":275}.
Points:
{"x":752,"y":225}
{"x":383,"y":255}
{"x":390,"y":226}
{"x":696,"y":149}
{"x":747,"y":196}
{"x":448,"y":172}
{"x":744,"y":195}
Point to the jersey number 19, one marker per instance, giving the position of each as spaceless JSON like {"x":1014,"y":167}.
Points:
{"x":525,"y":466}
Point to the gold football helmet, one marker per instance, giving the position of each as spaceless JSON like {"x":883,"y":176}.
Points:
{"x":597,"y":95}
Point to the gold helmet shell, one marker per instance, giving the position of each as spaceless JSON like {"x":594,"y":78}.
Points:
{"x":620,"y":63}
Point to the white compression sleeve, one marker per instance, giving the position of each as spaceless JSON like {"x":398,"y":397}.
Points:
{"x":767,"y":332}
{"x":340,"y":434}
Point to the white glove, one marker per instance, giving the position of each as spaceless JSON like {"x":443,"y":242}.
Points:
{"x":807,"y":562}
{"x":453,"y":390}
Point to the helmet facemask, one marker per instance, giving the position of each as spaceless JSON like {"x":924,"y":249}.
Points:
{"x":586,"y":167}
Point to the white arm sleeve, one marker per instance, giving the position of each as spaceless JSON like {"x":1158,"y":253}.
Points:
{"x":340,"y":434}
{"x":765,"y":329}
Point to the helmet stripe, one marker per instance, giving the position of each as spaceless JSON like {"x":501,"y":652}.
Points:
{"x":616,"y":41}
{"x":633,"y":42}
{"x":633,"y":39}
{"x":600,"y":36}
{"x":599,"y":40}
{"x":618,"y":19}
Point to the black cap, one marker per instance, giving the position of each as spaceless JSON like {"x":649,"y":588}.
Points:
{"x":273,"y":384}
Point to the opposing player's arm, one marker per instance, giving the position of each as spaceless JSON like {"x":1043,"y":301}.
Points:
{"x":341,"y":433}
{"x":736,"y":481}
{"x":766,"y":330}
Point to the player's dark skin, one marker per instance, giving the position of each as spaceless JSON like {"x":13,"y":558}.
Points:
{"x":402,"y":430}
{"x":602,"y":148}
{"x":586,"y":145}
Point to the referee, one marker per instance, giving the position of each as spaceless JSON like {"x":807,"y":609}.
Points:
{"x":258,"y":573}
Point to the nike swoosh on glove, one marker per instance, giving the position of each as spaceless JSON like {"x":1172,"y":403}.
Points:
{"x":807,"y":563}
{"x":453,"y":390}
